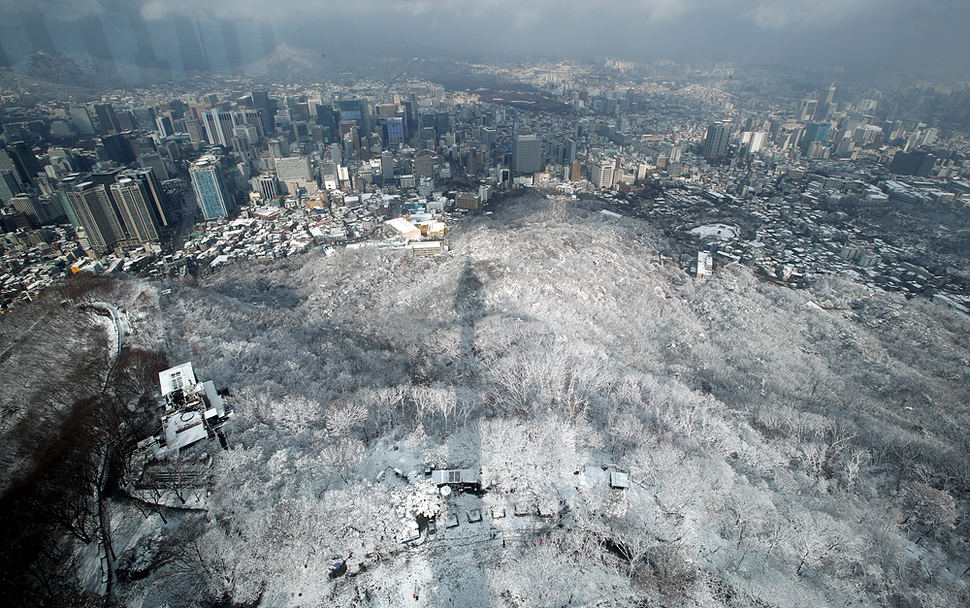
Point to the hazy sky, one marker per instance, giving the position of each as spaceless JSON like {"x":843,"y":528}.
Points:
{"x":851,"y":33}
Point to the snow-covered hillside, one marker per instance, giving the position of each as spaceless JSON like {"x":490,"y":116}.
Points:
{"x":784,"y":448}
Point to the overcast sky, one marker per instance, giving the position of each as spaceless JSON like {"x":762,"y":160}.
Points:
{"x":910,"y":35}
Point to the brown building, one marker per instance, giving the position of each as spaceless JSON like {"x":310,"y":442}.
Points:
{"x":469,"y":201}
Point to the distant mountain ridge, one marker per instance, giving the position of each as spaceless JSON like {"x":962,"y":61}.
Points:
{"x":287,"y":63}
{"x":87,"y":71}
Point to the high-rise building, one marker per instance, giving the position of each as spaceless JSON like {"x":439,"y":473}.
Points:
{"x":82,"y":120}
{"x":267,"y":110}
{"x":157,"y":201}
{"x":489,"y":137}
{"x":209,"y":185}
{"x":393,"y":130}
{"x":9,"y":186}
{"x":806,"y":109}
{"x":423,"y":166}
{"x":526,"y":154}
{"x":107,"y":118}
{"x":134,"y":206}
{"x":354,"y":110}
{"x":218,"y":127}
{"x":94,"y":213}
{"x":387,"y":166}
{"x":20,"y":160}
{"x":118,"y":149}
{"x":601,"y":174}
{"x":156,"y":163}
{"x":716,"y":144}
{"x":569,"y":151}
{"x":164,"y":126}
{"x":28,"y":205}
{"x":294,"y":171}
{"x":814,"y":131}
{"x":267,"y":186}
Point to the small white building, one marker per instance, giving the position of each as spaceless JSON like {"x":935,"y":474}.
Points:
{"x":705,"y":264}
{"x":401,"y":227}
{"x":193,"y":410}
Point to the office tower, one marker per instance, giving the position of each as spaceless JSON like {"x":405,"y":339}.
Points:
{"x":335,"y":153}
{"x":489,"y":137}
{"x":118,"y":149}
{"x":806,"y":109}
{"x":814,"y":131}
{"x":107,"y":118}
{"x":126,"y":120}
{"x":387,"y":166}
{"x":173,"y":151}
{"x":253,"y":118}
{"x":209,"y":185}
{"x":10,"y":172}
{"x":145,"y":118}
{"x":82,"y":120}
{"x":194,"y":129}
{"x":354,"y":110}
{"x":164,"y":126}
{"x":157,"y":201}
{"x":569,"y":151}
{"x":218,"y":127}
{"x":94,"y":213}
{"x":576,"y":173}
{"x":423,"y":166}
{"x":267,"y":186}
{"x":526,"y":154}
{"x":716,"y":144}
{"x":20,"y":160}
{"x":133,"y":205}
{"x":296,"y":174}
{"x":9,"y":186}
{"x":601,"y":174}
{"x":247,"y":132}
{"x":155,"y":163}
{"x":393,"y":130}
{"x":28,"y":205}
{"x":442,"y":123}
{"x":827,"y":95}
{"x":267,"y":110}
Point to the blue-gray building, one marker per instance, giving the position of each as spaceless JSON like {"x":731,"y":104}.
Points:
{"x":209,"y":185}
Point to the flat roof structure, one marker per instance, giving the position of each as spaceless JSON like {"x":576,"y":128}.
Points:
{"x":177,"y":377}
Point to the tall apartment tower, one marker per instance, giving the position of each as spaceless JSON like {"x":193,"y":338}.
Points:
{"x":133,"y":204}
{"x":526,"y":154}
{"x":209,"y":185}
{"x":716,"y":144}
{"x":93,"y":210}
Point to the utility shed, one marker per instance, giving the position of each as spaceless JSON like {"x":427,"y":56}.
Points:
{"x":467,"y":479}
{"x":619,"y":480}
